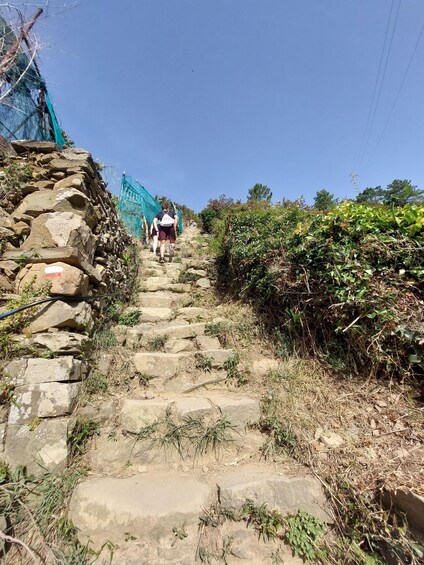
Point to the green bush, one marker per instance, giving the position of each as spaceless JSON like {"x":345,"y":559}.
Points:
{"x":346,"y":285}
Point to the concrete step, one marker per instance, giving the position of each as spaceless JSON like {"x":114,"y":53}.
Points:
{"x":142,"y":506}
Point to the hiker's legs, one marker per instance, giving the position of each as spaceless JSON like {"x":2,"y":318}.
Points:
{"x":162,"y":239}
{"x":172,"y":238}
{"x":155,"y":244}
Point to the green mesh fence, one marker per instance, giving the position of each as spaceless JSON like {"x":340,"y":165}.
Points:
{"x":26,"y":111}
{"x":135,"y":205}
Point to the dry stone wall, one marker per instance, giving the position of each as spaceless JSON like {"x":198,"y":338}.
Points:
{"x":58,"y":225}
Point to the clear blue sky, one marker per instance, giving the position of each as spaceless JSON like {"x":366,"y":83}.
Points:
{"x":198,"y":98}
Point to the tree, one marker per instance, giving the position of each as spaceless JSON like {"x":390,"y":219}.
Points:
{"x":371,"y":195}
{"x":259,"y":193}
{"x":401,"y":192}
{"x":397,"y":193}
{"x":324,"y":200}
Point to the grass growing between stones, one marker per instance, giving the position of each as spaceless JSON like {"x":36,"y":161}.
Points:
{"x":302,"y":531}
{"x":38,"y":529}
{"x":188,"y":436}
{"x":157,"y":343}
{"x":14,"y":324}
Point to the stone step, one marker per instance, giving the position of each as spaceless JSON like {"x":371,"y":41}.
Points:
{"x":193,"y":313}
{"x":164,"y":365}
{"x":110,"y":509}
{"x":174,"y":330}
{"x":152,"y":314}
{"x":155,"y":284}
{"x":164,"y":299}
{"x":239,"y":411}
{"x":286,"y":493}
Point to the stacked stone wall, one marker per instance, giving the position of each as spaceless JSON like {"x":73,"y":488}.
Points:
{"x":59,"y":231}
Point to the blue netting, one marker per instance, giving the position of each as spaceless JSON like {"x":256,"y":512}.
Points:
{"x":26,"y":111}
{"x":136,"y":204}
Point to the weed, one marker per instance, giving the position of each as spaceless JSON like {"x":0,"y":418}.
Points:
{"x":7,"y":393}
{"x":143,"y":379}
{"x":179,"y":533}
{"x":15,"y":323}
{"x":82,"y":432}
{"x":280,"y":435}
{"x":32,"y":424}
{"x":186,"y":277}
{"x":303,"y":531}
{"x":157,"y":343}
{"x":95,"y":384}
{"x":178,"y":260}
{"x":233,"y":372}
{"x":268,"y":523}
{"x":188,"y":434}
{"x":210,"y":436}
{"x":203,"y":363}
{"x":218,"y":329}
{"x":104,"y":339}
{"x":130,"y":318}
{"x":277,"y":375}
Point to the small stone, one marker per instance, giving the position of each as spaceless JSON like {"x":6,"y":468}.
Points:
{"x":142,"y":469}
{"x":331,"y":439}
{"x":205,"y":469}
{"x":148,"y":395}
{"x":375,"y":433}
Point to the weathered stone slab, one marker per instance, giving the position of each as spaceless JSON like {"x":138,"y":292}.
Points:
{"x":61,"y":229}
{"x":36,"y":371}
{"x":148,"y":507}
{"x":137,"y":413}
{"x":59,"y":314}
{"x":68,"y":255}
{"x":43,"y":447}
{"x":176,"y":331}
{"x":178,"y":346}
{"x":203,"y":283}
{"x":73,"y":181}
{"x":62,"y":200}
{"x":207,"y":342}
{"x":158,"y":364}
{"x":280,"y":491}
{"x":155,"y":300}
{"x":193,"y":406}
{"x":61,"y":343}
{"x":99,"y":411}
{"x":411,"y":504}
{"x":155,"y":314}
{"x":27,"y":145}
{"x":153,"y":284}
{"x":218,"y":356}
{"x":239,"y":411}
{"x":64,"y":279}
{"x":6,"y":220}
{"x":193,"y":313}
{"x":44,"y":400}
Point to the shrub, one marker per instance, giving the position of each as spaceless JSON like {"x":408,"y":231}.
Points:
{"x":346,"y":285}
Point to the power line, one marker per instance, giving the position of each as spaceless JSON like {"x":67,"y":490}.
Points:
{"x":399,"y":90}
{"x":381,"y":83}
{"x":362,"y":146}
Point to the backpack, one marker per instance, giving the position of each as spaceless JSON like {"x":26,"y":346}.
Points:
{"x":166,"y":220}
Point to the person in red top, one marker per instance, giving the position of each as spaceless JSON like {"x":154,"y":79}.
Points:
{"x":167,"y":229}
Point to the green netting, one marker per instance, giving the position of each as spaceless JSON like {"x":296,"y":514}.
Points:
{"x":26,"y":111}
{"x":135,"y":205}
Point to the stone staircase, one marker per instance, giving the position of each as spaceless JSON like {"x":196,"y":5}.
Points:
{"x":182,"y":440}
